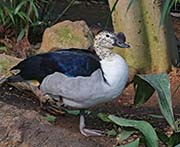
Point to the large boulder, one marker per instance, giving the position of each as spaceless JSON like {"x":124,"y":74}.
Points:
{"x":67,"y":34}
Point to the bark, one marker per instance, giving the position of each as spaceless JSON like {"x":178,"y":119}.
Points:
{"x":153,"y":48}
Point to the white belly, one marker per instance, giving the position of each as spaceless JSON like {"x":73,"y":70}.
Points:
{"x":116,"y":73}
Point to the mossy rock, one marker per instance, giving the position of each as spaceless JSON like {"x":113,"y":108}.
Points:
{"x":67,"y":34}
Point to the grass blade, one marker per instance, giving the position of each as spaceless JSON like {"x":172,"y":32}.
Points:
{"x":19,"y":7}
{"x":129,"y":5}
{"x":110,"y":14}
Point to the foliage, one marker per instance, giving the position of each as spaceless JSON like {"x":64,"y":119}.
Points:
{"x":171,"y":141}
{"x":160,"y":83}
{"x":50,"y":118}
{"x":145,"y":86}
{"x":144,"y":127}
{"x":19,"y":15}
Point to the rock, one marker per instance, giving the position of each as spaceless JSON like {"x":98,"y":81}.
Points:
{"x":6,"y":63}
{"x":67,"y":34}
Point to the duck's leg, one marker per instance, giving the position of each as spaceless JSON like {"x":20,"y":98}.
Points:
{"x":87,"y":132}
{"x":47,"y":102}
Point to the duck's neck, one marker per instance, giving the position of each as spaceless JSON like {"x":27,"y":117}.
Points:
{"x":103,"y":53}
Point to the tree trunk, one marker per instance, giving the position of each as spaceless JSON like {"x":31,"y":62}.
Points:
{"x":153,"y":48}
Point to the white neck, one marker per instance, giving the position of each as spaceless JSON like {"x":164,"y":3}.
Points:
{"x":115,"y":70}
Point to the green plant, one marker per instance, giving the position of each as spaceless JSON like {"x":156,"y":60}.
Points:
{"x":145,"y":86}
{"x":19,"y":15}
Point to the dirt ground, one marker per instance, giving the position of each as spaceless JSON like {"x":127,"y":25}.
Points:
{"x":122,"y":106}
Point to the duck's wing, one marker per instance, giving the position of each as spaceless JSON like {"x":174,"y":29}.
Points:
{"x":70,"y":62}
{"x":78,"y":92}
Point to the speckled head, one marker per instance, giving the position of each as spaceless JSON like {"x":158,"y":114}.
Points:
{"x":105,"y":41}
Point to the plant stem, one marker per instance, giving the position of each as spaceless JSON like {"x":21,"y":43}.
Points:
{"x":63,"y":12}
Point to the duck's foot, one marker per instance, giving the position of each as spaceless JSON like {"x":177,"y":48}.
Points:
{"x":53,"y":107}
{"x":88,"y":132}
{"x":47,"y":103}
{"x":91,"y":132}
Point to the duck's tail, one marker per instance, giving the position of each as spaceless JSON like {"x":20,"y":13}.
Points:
{"x":2,"y":80}
{"x":15,"y":78}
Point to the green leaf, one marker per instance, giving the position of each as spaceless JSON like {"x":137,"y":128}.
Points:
{"x":2,"y":17}
{"x":164,"y":11}
{"x":24,"y":17}
{"x":3,"y":48}
{"x":156,"y":116}
{"x":174,"y":139}
{"x":124,"y":135}
{"x":129,"y":5}
{"x":163,"y":137}
{"x":144,"y":127}
{"x":34,"y":8}
{"x":19,"y":6}
{"x":73,"y":112}
{"x":177,"y":145}
{"x":131,"y":144}
{"x":171,"y":141}
{"x":143,"y":91}
{"x":160,"y":83}
{"x":10,"y":13}
{"x":50,"y":118}
{"x":21,"y":35}
{"x":110,"y":14}
{"x":111,"y":132}
{"x":177,"y":124}
{"x":104,"y":117}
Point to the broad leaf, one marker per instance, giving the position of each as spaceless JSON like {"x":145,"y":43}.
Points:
{"x":111,"y":132}
{"x":174,"y":139}
{"x":160,"y":83}
{"x":177,"y":145}
{"x":50,"y":118}
{"x":143,"y":91}
{"x":124,"y":135}
{"x":164,"y":11}
{"x":144,"y":127}
{"x":104,"y":117}
{"x":163,"y":137}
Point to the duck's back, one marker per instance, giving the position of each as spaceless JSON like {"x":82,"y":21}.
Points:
{"x":70,"y":62}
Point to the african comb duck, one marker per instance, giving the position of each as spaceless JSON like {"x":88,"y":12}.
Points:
{"x":80,"y":77}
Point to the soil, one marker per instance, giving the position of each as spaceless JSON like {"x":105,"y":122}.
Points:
{"x":122,"y":106}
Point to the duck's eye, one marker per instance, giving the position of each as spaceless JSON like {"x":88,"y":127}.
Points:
{"x":107,"y":35}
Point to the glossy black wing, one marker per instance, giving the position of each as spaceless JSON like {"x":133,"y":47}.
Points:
{"x":71,"y":62}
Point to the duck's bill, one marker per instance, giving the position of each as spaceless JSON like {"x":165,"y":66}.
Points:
{"x":121,"y":44}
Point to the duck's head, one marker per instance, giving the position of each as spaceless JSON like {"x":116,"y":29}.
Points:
{"x":105,"y":41}
{"x":108,"y":40}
